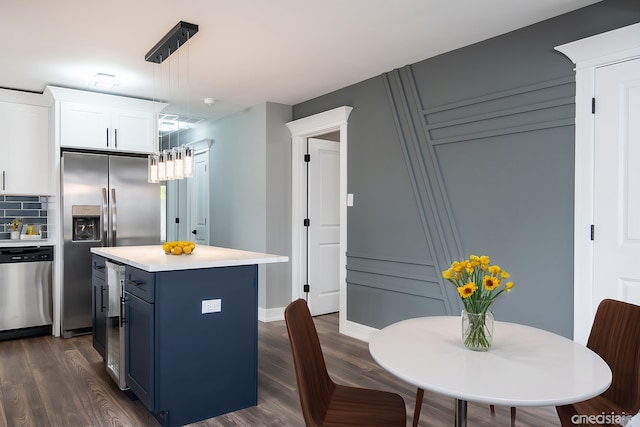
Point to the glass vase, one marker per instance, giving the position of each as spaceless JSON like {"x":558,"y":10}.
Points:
{"x":477,"y":330}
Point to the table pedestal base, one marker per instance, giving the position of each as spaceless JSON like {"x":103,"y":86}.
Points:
{"x":461,"y":413}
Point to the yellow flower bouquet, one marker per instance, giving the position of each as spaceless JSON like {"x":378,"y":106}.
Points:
{"x":479,"y":284}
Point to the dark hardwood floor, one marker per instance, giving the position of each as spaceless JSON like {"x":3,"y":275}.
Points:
{"x":56,"y":382}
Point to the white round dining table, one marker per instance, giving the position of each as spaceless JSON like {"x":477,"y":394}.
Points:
{"x":525,"y":366}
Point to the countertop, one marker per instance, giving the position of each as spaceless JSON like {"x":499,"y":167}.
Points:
{"x":152,"y":258}
{"x":8,"y":243}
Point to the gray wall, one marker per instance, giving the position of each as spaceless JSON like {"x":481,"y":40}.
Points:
{"x":467,"y":152}
{"x":250,"y":190}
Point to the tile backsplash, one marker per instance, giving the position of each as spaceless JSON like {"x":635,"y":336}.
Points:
{"x":30,"y":210}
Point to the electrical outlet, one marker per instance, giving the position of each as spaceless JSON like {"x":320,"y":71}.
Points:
{"x":211,"y":306}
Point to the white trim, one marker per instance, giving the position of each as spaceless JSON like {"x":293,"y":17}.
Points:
{"x":302,"y":129}
{"x":270,"y":314}
{"x":588,"y":54}
{"x":200,"y":145}
{"x":359,"y":331}
{"x":603,"y":49}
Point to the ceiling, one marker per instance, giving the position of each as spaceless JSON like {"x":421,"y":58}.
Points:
{"x":246,"y":51}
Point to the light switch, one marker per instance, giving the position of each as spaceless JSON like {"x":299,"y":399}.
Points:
{"x":350,"y":199}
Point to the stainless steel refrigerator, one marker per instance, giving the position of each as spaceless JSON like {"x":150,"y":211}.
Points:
{"x":106,"y":201}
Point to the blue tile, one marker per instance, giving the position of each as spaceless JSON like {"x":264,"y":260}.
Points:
{"x":18,"y":212}
{"x":10,"y":205}
{"x":36,"y":206}
{"x":22,"y":198}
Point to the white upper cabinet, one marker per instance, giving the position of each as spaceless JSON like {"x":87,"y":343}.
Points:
{"x":84,"y":126}
{"x":96,"y":121}
{"x":25,"y":162}
{"x":134,"y":130}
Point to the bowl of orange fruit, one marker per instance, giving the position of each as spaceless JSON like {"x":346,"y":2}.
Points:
{"x":178,"y":248}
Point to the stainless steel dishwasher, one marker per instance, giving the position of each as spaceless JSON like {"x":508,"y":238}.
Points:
{"x":25,"y":291}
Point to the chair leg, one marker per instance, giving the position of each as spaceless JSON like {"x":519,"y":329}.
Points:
{"x":493,"y":410}
{"x":416,"y":412}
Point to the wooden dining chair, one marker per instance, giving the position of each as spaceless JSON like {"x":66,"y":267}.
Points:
{"x":323,"y":402}
{"x":615,"y":336}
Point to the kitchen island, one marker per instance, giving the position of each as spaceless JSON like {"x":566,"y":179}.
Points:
{"x":190,"y":328}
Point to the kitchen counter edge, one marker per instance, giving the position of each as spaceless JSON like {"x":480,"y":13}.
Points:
{"x":153,"y":258}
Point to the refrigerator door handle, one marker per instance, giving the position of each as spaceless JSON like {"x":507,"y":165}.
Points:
{"x":105,"y":225}
{"x":113,"y":217}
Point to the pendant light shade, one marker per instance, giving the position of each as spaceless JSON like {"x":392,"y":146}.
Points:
{"x":172,"y":163}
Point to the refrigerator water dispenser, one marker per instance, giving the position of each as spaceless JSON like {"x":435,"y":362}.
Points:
{"x":86,"y":222}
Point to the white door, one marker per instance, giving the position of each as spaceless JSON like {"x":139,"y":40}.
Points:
{"x":324,"y":227}
{"x":198,"y":189}
{"x":616,"y":200}
{"x":177,"y":210}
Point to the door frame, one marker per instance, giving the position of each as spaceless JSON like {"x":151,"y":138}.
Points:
{"x":301,"y":129}
{"x":589,"y":54}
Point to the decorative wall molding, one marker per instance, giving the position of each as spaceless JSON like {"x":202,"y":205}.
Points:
{"x":434,"y":209}
{"x":409,"y":276}
{"x":529,"y":108}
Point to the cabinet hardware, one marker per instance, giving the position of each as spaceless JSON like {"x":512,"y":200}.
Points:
{"x":123,"y":310}
{"x":135,"y":283}
{"x":102,"y":306}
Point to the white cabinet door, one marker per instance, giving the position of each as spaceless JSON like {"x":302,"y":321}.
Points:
{"x":85,"y":126}
{"x":25,"y":161}
{"x":133,"y":130}
{"x":99,"y":127}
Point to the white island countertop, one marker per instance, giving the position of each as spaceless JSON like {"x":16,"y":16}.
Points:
{"x":153,"y":258}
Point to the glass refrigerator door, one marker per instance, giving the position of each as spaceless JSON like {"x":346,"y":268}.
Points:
{"x":115,"y":332}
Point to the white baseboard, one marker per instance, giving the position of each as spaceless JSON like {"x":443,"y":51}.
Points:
{"x":270,"y":314}
{"x":351,"y":329}
{"x":358,"y":331}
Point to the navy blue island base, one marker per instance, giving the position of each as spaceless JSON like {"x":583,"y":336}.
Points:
{"x":186,"y":366}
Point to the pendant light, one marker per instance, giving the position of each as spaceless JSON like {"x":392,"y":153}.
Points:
{"x":171,"y":163}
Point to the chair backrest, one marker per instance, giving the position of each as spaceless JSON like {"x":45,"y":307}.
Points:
{"x":615,"y":336}
{"x":314,"y":384}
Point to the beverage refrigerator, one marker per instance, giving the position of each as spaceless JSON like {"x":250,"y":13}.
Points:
{"x":106,"y":201}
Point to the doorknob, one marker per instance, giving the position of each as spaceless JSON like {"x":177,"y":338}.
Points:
{"x":194,"y":232}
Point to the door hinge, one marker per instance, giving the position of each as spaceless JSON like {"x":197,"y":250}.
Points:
{"x":593,"y":105}
{"x":305,"y":288}
{"x":306,"y":222}
{"x":592,"y":231}
{"x":307,"y":158}
{"x":177,"y":220}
